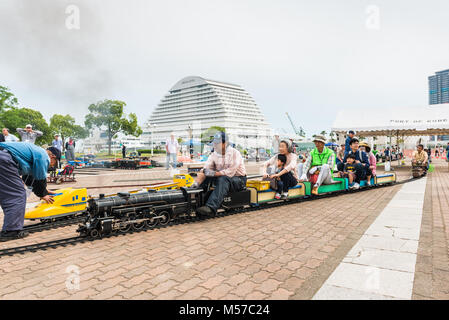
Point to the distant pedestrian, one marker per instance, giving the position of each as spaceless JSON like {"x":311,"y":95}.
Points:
{"x":57,"y":143}
{"x":447,"y":152}
{"x":9,"y":137}
{"x":429,"y":153}
{"x":70,"y":150}
{"x":28,"y":134}
{"x":171,"y":147}
{"x":123,"y":151}
{"x":275,"y":144}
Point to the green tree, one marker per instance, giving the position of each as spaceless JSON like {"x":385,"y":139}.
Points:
{"x":208,"y":134}
{"x":7,"y":99}
{"x":323,"y":133}
{"x":66,"y":127}
{"x":20,"y":117}
{"x":109,"y":114}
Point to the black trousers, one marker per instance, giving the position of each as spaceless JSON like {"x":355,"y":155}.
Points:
{"x":223,"y":185}
{"x":287,"y":181}
{"x":360,"y":171}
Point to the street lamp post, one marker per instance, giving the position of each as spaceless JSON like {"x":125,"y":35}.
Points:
{"x":152,"y":126}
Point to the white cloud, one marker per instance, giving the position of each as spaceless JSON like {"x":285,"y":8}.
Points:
{"x":307,"y":58}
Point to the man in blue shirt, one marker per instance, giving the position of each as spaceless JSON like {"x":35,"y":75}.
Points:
{"x":32,"y":163}
{"x":348,"y":140}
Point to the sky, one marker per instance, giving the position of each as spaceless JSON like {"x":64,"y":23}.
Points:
{"x":308,"y":58}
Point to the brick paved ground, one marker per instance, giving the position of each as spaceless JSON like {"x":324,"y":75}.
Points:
{"x":432,"y":265}
{"x":279,"y":253}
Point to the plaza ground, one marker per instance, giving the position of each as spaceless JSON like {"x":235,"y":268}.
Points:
{"x":289,"y":252}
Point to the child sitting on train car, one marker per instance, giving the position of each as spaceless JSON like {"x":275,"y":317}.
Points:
{"x":280,"y":164}
{"x":349,"y":172}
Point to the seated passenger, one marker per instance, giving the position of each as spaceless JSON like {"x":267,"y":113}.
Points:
{"x":372,"y":162}
{"x":420,"y":157}
{"x":301,"y":160}
{"x":362,"y":160}
{"x":319,"y":165}
{"x":351,"y":134}
{"x":225,"y":167}
{"x":349,"y":172}
{"x":340,"y":153}
{"x":287,"y":176}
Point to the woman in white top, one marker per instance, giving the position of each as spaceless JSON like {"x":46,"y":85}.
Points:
{"x":288,"y":174}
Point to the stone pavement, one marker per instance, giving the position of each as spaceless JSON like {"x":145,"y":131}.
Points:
{"x":432,"y":265}
{"x":286,"y":252}
{"x":382,"y":263}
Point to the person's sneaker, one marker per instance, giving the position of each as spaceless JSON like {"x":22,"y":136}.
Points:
{"x":277,"y":196}
{"x":205,"y":211}
{"x":284,"y":195}
{"x":10,"y":235}
{"x":368,"y":182}
{"x":195,"y":185}
{"x":355,"y":186}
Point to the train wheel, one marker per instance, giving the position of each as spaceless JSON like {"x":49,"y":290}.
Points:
{"x":165,"y":217}
{"x":94,"y":233}
{"x":125,"y":226}
{"x":139,"y":225}
{"x":151,"y":220}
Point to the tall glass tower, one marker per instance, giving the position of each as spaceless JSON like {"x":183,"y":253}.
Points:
{"x":439,"y":87}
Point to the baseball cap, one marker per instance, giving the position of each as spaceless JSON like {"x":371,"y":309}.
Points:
{"x":219,"y":137}
{"x":28,"y":126}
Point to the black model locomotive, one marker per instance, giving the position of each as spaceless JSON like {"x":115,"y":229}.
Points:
{"x":126,"y":211}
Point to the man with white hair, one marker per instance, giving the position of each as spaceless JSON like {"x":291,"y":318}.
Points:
{"x":28,"y":134}
{"x":172,"y":147}
{"x":9,"y":137}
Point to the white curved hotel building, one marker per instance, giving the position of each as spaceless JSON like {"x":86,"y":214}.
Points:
{"x":199,"y":103}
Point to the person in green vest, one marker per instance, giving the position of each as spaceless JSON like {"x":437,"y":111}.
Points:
{"x":319,"y":166}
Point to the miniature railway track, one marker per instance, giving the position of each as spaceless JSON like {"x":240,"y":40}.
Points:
{"x":42,"y":226}
{"x":184,"y":220}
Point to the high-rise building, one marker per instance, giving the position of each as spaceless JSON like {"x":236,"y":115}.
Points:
{"x":195,"y":104}
{"x":439,"y":87}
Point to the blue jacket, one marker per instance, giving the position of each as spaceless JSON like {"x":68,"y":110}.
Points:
{"x":347,"y":147}
{"x":31,"y":159}
{"x":359,"y":155}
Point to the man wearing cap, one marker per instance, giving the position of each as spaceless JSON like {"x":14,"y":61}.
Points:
{"x":320,"y":162}
{"x":9,"y":137}
{"x":31,"y":162}
{"x":29,"y":135}
{"x":226,"y":168}
{"x":348,"y":140}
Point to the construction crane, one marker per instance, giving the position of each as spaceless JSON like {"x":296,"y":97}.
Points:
{"x":300,"y":132}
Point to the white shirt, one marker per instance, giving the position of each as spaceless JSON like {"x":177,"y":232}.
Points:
{"x":172,"y":145}
{"x":11,"y":138}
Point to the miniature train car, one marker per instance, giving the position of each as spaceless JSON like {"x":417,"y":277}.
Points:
{"x":125,"y":211}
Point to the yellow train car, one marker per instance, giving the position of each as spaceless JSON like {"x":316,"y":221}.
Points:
{"x":67,"y":202}
{"x":70,"y":201}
